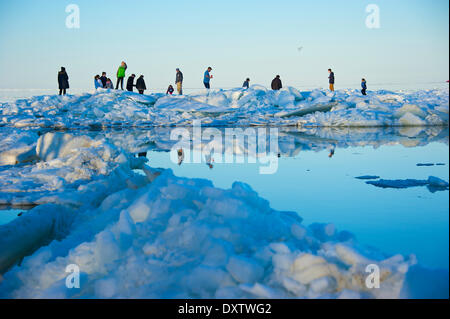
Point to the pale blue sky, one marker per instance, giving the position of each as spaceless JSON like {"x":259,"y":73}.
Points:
{"x":239,"y":39}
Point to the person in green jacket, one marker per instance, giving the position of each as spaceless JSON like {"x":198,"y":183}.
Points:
{"x":121,"y":75}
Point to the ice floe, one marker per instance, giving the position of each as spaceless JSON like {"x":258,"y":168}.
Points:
{"x":238,"y":107}
{"x":433,"y":183}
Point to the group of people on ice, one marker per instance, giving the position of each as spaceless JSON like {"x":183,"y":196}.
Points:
{"x":106,"y":83}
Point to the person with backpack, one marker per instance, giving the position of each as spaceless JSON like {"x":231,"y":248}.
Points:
{"x":121,"y":74}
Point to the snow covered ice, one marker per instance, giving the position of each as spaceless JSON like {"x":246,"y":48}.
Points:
{"x":177,"y":237}
{"x":255,"y":106}
{"x":142,"y":232}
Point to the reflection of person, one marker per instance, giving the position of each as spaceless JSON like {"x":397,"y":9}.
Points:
{"x":180,"y":156}
{"x":331,"y":153}
{"x":209,"y":160}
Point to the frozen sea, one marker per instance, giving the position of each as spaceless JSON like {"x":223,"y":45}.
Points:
{"x":373,"y":182}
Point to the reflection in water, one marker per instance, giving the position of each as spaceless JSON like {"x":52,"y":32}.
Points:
{"x":291,"y":140}
{"x":180,"y":154}
{"x":402,"y":220}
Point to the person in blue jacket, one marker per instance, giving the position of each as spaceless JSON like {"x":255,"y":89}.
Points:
{"x":97,"y":82}
{"x":246,"y":83}
{"x":363,"y":86}
{"x":207,"y":77}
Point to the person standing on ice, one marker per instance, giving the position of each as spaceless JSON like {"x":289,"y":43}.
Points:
{"x":207,"y":77}
{"x":103,"y":78}
{"x":140,"y":85}
{"x":276,"y":83}
{"x":363,"y":86}
{"x":97,"y":82}
{"x":121,"y":74}
{"x":130,"y":83}
{"x":331,"y":80}
{"x":63,"y":81}
{"x":179,"y":82}
{"x":246,"y":83}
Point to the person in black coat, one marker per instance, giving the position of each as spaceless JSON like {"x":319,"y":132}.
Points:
{"x":140,"y":85}
{"x":130,"y":83}
{"x":276,"y":83}
{"x":103,"y":78}
{"x":331,"y":80}
{"x":246,"y":83}
{"x":63,"y":81}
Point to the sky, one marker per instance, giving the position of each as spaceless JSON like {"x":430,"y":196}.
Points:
{"x":238,"y":39}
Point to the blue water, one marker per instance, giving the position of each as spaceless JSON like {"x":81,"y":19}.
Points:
{"x":323,"y":189}
{"x":8,"y":215}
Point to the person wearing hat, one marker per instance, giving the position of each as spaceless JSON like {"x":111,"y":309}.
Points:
{"x":207,"y":77}
{"x":179,"y":82}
